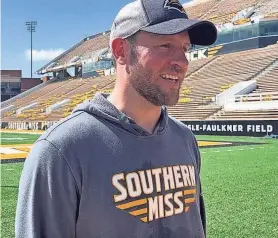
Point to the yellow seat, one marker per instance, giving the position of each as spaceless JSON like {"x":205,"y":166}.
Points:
{"x":185,"y":100}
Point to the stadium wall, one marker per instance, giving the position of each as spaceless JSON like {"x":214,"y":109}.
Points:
{"x":242,"y":45}
{"x":253,"y":43}
{"x":20,"y":125}
{"x":256,"y":128}
{"x":27,"y":83}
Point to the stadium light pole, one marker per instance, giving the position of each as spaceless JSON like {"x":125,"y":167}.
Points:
{"x":31,"y":27}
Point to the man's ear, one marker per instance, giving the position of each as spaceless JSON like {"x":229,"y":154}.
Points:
{"x":119,"y":50}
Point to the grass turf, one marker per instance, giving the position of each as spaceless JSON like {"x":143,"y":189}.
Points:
{"x":17,"y":138}
{"x":239,"y":186}
{"x":10,"y":174}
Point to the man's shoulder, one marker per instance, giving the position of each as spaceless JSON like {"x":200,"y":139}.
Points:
{"x":180,"y":126}
{"x":76,"y":127}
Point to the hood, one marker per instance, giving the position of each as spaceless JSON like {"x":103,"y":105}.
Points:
{"x":101,"y":107}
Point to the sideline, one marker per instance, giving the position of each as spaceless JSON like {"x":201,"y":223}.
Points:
{"x":37,"y":132}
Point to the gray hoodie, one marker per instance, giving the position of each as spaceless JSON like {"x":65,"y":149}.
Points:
{"x":98,"y":174}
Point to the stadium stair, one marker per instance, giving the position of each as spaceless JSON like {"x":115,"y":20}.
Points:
{"x":202,"y":66}
{"x":265,"y":79}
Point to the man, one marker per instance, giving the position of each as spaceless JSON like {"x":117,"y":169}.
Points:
{"x":119,"y":166}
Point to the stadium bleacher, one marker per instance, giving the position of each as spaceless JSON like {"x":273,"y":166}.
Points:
{"x":84,"y":49}
{"x":197,"y":11}
{"x":267,"y":7}
{"x":195,"y":65}
{"x":225,"y":10}
{"x":77,"y":90}
{"x":247,"y":115}
{"x":269,"y":81}
{"x":220,"y":12}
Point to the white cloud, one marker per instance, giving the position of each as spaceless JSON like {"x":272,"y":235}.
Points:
{"x":194,"y":2}
{"x":43,"y":55}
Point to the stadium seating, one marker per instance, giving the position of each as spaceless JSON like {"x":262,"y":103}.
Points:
{"x":228,"y":69}
{"x":200,"y":9}
{"x":195,"y":65}
{"x":247,"y":115}
{"x":192,"y":112}
{"x":269,"y":81}
{"x":225,"y":10}
{"x":85,"y":49}
{"x":269,"y":8}
{"x":220,"y":12}
{"x":77,"y":90}
{"x":247,"y":62}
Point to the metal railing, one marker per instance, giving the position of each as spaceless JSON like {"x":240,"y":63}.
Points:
{"x":256,"y":97}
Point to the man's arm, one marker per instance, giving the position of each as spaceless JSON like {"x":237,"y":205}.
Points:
{"x":48,"y":195}
{"x":202,"y":203}
{"x":203,"y":210}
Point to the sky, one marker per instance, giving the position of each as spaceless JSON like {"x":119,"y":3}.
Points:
{"x":60,"y":25}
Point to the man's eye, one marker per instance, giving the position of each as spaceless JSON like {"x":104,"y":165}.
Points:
{"x":187,"y":48}
{"x":165,"y":46}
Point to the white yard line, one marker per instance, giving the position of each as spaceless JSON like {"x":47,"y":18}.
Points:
{"x":23,"y":132}
{"x":232,"y":150}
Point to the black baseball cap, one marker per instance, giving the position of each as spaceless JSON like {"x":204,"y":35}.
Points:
{"x":164,"y":17}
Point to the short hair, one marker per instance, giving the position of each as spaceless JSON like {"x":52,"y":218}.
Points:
{"x":131,"y":39}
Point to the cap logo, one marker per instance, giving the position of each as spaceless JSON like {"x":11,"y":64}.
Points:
{"x":174,"y":4}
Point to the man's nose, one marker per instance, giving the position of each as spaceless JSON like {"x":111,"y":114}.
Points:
{"x":179,"y":60}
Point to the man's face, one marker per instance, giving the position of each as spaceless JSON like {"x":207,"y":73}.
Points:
{"x":157,"y":65}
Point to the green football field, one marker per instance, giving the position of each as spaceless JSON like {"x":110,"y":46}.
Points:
{"x":240,"y":186}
